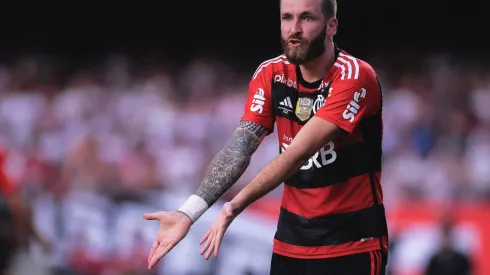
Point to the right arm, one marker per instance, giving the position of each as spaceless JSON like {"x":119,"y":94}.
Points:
{"x":225,"y":168}
{"x":231,"y":162}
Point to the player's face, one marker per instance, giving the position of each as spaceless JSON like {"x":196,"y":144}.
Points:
{"x":303,"y":30}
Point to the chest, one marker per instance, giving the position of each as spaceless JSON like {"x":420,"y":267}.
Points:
{"x":295,"y":104}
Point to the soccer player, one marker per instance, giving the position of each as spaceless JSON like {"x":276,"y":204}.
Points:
{"x":16,"y":223}
{"x":327,"y":106}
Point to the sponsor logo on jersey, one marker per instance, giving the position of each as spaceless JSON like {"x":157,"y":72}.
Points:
{"x":258,"y":101}
{"x":325,"y":156}
{"x":288,"y":81}
{"x":286,"y":105}
{"x":353,"y":106}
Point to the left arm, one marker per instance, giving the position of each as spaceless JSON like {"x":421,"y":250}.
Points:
{"x":311,"y":138}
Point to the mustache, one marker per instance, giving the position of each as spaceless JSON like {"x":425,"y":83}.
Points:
{"x":296,"y":37}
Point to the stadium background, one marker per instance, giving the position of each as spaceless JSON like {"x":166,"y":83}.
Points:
{"x":111,"y":109}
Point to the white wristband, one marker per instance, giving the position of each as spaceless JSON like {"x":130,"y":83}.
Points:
{"x":194,"y":207}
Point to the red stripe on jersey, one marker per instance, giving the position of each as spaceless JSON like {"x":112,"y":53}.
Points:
{"x":371,"y":254}
{"x":330,"y":251}
{"x":318,"y":252}
{"x":351,"y":195}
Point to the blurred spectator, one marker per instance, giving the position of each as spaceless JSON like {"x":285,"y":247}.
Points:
{"x":138,"y":169}
{"x":447,"y":260}
{"x":16,"y":223}
{"x":83,"y":168}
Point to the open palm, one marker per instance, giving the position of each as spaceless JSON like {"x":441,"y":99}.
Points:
{"x":174,"y":226}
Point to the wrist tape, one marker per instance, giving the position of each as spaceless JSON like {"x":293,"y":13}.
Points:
{"x":194,"y":207}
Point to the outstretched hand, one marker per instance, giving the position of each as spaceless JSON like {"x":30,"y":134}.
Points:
{"x":217,"y":230}
{"x":174,"y":226}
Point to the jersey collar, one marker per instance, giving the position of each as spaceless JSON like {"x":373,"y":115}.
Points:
{"x":316,"y":84}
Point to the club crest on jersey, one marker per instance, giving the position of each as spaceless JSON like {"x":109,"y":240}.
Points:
{"x":303,"y":108}
{"x":320,"y":100}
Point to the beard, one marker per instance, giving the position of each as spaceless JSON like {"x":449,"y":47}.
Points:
{"x":307,"y":51}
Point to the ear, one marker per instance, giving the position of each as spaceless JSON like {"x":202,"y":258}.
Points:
{"x":332,"y":25}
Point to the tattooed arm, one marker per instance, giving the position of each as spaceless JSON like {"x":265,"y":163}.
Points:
{"x":225,"y":169}
{"x":231,"y":162}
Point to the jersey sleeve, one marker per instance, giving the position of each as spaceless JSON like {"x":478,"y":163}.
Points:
{"x":350,"y":101}
{"x":259,"y":107}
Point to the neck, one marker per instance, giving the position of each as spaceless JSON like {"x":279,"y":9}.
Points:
{"x":317,"y":68}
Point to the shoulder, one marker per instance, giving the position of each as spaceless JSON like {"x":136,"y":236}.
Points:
{"x":353,"y":70}
{"x":270,"y":67}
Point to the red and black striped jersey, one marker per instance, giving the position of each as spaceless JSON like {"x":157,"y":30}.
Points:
{"x":334,"y":205}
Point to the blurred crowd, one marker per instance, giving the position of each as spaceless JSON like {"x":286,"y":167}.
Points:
{"x":110,"y":129}
{"x":106,"y":130}
{"x":121,"y":131}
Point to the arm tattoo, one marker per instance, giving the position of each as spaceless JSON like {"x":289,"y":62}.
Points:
{"x":230,"y":163}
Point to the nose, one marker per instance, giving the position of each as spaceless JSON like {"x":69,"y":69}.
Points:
{"x":296,"y":27}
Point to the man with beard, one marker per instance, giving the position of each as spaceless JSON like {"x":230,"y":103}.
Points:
{"x":327,"y":106}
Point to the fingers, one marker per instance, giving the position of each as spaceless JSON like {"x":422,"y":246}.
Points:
{"x":155,"y":258}
{"x":214,"y":236}
{"x":217,"y":242}
{"x":150,"y":216}
{"x":208,"y":246}
{"x":203,"y":239}
{"x":206,"y":239}
{"x":152,"y":250}
{"x":211,"y":246}
{"x":160,"y":252}
{"x":213,"y":242}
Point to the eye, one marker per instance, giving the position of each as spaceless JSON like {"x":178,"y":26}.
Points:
{"x":307,"y":18}
{"x":286,"y":17}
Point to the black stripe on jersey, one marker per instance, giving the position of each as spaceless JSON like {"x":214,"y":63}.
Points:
{"x":280,"y":93}
{"x":351,"y":161}
{"x":372,"y":133}
{"x":330,"y":230}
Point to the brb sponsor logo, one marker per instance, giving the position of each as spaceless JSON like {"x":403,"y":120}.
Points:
{"x":319,"y":159}
{"x":289,"y":82}
{"x":353,"y":107}
{"x":258,"y":101}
